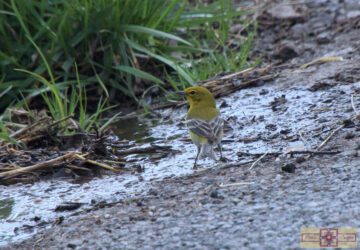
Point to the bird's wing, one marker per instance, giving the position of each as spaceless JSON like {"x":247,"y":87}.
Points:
{"x":217,"y":125}
{"x":208,"y":129}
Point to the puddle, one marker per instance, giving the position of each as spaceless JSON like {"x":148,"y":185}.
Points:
{"x":6,"y":208}
{"x":132,"y":130}
{"x":26,"y":208}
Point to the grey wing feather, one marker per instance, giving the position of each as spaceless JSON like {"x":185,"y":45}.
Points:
{"x":217,"y":125}
{"x":199,"y":127}
{"x":210,"y":130}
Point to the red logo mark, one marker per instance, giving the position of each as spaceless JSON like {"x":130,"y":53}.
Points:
{"x":329,"y":237}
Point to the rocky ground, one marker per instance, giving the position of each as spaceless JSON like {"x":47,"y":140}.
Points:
{"x":232,"y":206}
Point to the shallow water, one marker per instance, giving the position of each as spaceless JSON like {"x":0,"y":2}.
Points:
{"x":23,"y":207}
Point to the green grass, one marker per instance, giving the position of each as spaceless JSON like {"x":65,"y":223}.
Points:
{"x":60,"y":49}
{"x":5,"y":136}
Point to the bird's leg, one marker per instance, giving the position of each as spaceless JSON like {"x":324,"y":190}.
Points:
{"x":219,"y":146}
{"x":197,"y":156}
{"x":221,"y":157}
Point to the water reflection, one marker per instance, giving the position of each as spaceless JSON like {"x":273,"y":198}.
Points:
{"x":131,"y":129}
{"x":6,"y":206}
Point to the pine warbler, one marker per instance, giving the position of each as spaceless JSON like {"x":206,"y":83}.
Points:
{"x":203,"y":121}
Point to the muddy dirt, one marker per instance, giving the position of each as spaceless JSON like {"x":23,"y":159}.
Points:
{"x":246,"y":202}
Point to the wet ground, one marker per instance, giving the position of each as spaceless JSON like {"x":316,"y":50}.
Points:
{"x":243,"y":202}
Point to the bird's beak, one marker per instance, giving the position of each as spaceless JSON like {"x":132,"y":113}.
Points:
{"x":181,"y":93}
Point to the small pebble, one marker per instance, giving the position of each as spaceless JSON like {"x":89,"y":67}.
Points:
{"x":214,"y":193}
{"x":289,"y":168}
{"x":300,"y":159}
{"x":349,"y":135}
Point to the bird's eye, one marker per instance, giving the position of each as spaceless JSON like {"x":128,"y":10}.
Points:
{"x":192,"y":92}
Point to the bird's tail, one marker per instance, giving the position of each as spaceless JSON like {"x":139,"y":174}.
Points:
{"x":207,"y":151}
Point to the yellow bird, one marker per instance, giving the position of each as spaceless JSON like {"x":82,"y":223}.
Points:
{"x":203,"y":121}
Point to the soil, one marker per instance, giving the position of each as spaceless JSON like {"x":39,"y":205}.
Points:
{"x":263,"y":195}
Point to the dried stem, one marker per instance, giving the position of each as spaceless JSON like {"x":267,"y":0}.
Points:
{"x":235,"y":184}
{"x":329,"y":137}
{"x":95,"y":163}
{"x":260,"y":158}
{"x":41,"y":165}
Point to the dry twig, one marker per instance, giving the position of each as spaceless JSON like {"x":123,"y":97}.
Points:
{"x":95,"y":163}
{"x":322,"y":60}
{"x":41,"y":165}
{"x":41,"y":129}
{"x":329,"y":137}
{"x":291,"y":153}
{"x":255,"y":162}
{"x":235,"y":184}
{"x":151,"y":149}
{"x":24,"y":130}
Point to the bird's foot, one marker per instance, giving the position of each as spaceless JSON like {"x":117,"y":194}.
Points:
{"x":223,"y":159}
